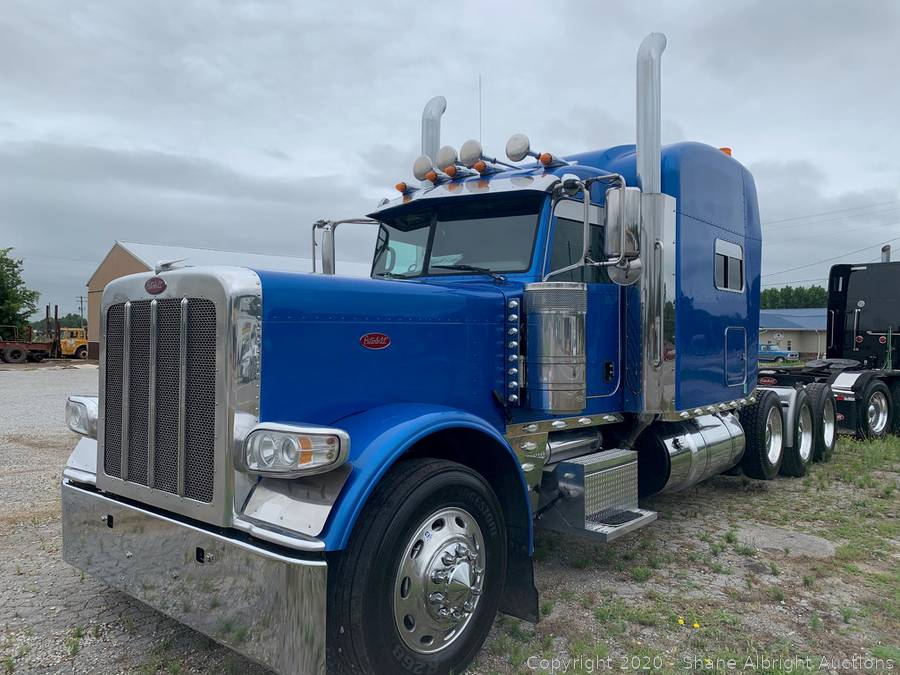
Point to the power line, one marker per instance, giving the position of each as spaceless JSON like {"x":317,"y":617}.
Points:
{"x":828,"y":213}
{"x":842,"y":255}
{"x":820,"y":233}
{"x":794,"y":281}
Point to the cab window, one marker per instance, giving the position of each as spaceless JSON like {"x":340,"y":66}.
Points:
{"x":729,"y":275}
{"x":568,"y":240}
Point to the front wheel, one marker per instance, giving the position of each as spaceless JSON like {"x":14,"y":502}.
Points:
{"x":418,"y":587}
{"x":81,"y":352}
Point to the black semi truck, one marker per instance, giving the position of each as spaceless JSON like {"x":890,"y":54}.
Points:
{"x":862,"y":363}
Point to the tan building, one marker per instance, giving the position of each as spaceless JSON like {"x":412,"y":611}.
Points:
{"x":794,"y":330}
{"x":130,"y":258}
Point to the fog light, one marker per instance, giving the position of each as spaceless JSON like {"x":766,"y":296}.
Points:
{"x":287,"y":451}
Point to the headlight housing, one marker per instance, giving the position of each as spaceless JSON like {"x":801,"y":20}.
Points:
{"x":81,"y":415}
{"x":287,"y":451}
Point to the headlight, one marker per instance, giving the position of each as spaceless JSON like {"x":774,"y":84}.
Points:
{"x":287,"y":451}
{"x":81,"y":415}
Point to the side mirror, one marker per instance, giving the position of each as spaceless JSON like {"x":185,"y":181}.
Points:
{"x":622,"y":234}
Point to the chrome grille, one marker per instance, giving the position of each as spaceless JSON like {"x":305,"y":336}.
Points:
{"x":160,"y":398}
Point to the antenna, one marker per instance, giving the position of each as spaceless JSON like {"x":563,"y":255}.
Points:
{"x":480,"y":139}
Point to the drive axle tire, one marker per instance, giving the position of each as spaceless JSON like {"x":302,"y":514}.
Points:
{"x":764,"y":431}
{"x":874,"y":411}
{"x":81,"y":353}
{"x":824,"y":419}
{"x":15,"y":355}
{"x":798,"y":457}
{"x":420,"y":582}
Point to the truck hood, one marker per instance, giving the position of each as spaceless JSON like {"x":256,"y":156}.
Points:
{"x":335,"y":346}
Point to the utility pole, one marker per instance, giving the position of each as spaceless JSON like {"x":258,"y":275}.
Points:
{"x":81,"y":300}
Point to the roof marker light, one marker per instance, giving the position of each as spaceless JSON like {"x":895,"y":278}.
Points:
{"x":402,"y":187}
{"x":446,"y":158}
{"x":727,"y":151}
{"x":422,"y":167}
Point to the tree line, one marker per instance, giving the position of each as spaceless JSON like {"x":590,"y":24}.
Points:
{"x":793,"y":297}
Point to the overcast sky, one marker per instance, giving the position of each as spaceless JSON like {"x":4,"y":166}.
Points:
{"x":234,"y":125}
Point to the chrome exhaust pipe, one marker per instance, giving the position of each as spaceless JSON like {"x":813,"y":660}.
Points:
{"x":431,"y":126}
{"x":648,"y":91}
{"x":886,"y":253}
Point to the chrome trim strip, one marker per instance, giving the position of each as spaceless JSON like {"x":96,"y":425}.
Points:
{"x":182,"y":392}
{"x":297,"y":542}
{"x":151,"y":400}
{"x":126,"y":370}
{"x":556,"y":424}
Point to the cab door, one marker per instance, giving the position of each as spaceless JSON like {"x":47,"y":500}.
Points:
{"x":602,"y":323}
{"x":735,"y":356}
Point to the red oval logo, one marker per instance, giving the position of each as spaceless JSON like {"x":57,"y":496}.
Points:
{"x":859,"y":339}
{"x":375,"y":341}
{"x":882,"y":340}
{"x":155,"y":285}
{"x":839,"y":417}
{"x":767,"y":380}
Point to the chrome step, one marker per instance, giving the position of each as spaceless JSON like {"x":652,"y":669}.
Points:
{"x":608,"y":532}
{"x":595,"y":495}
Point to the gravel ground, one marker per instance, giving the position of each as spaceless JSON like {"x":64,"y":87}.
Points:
{"x":733,"y":569}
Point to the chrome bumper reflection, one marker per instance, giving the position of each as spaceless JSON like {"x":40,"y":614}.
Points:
{"x":267,"y":606}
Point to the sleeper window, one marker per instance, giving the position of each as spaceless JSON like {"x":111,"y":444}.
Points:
{"x":729,"y":266}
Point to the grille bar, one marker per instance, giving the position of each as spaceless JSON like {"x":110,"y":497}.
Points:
{"x":182,"y":392}
{"x":126,"y":368}
{"x":151,"y":400}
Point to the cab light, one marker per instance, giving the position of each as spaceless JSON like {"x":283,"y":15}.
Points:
{"x":480,"y":166}
{"x":450,"y":171}
{"x":545,"y":158}
{"x":727,"y":151}
{"x":286,"y":451}
{"x":431,"y":176}
{"x":401,"y":187}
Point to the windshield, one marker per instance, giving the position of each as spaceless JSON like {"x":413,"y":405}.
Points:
{"x":459,"y":236}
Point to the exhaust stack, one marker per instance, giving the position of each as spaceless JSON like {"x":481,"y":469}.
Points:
{"x":431,"y":126}
{"x":886,"y":253}
{"x":649,"y":153}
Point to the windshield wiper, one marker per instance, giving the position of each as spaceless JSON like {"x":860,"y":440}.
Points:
{"x":472,"y":268}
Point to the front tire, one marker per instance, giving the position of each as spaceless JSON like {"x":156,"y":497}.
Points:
{"x":764,"y":430}
{"x":798,"y":457}
{"x":81,"y":353}
{"x":874,"y":411}
{"x":420,"y":582}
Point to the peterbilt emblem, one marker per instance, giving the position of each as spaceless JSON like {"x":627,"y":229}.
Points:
{"x":767,"y":380}
{"x":155,"y":285}
{"x":375,"y":341}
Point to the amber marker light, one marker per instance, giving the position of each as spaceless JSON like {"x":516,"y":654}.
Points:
{"x":545,"y":158}
{"x":480,"y":166}
{"x":450,"y":171}
{"x":401,"y":187}
{"x":431,"y":176}
{"x":727,"y":151}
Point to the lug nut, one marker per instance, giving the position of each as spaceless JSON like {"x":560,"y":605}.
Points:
{"x":468,"y":606}
{"x":462,"y":550}
{"x":457,"y":615}
{"x":436,"y":598}
{"x":443,"y":612}
{"x":438,"y":577}
{"x":448,"y":558}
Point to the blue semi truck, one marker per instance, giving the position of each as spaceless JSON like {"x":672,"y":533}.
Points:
{"x":351,"y":471}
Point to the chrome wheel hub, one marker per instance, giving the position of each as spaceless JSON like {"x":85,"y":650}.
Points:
{"x":774,"y":435}
{"x":439,"y":580}
{"x":877,"y":412}
{"x":828,"y":422}
{"x":805,"y":433}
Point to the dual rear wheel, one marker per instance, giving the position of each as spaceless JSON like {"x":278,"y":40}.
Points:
{"x":773,"y":446}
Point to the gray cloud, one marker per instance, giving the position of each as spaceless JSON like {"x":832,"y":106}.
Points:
{"x":237,"y":124}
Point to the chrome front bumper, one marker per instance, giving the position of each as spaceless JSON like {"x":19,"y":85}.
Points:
{"x":267,"y":606}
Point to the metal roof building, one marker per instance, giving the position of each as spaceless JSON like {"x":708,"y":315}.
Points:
{"x":801,"y":330}
{"x":126,"y":257}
